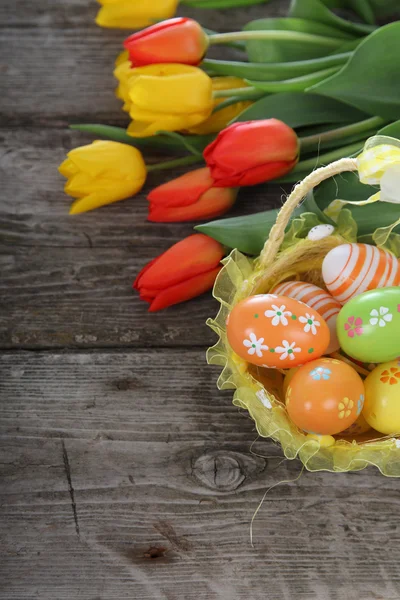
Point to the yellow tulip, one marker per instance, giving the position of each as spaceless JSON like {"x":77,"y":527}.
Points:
{"x":101,"y":173}
{"x":219,"y":120}
{"x":166,"y":96}
{"x":123,"y":72}
{"x":134,"y":14}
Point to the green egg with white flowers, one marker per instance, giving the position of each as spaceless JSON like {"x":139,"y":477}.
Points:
{"x":368,"y":326}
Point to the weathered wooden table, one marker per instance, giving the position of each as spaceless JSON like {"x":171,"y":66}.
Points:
{"x":125,"y":474}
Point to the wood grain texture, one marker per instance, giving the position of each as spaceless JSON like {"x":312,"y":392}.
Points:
{"x":107,"y":469}
{"x":124,"y":472}
{"x":66,"y":280}
{"x":59,"y":14}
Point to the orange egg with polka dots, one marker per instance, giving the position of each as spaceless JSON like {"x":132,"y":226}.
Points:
{"x":325,"y":396}
{"x":276,"y":331}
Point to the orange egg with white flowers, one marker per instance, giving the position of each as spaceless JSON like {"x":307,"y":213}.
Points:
{"x":276,"y":332}
{"x":325,"y":396}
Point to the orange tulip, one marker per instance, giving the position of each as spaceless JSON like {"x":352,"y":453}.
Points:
{"x":190,"y":197}
{"x":186,"y":270}
{"x":179,"y":40}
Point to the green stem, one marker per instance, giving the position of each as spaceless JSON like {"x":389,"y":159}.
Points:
{"x":157,"y":142}
{"x":312,"y":142}
{"x":297,"y":84}
{"x":236,"y":100}
{"x":325,"y":159}
{"x":243,"y":93}
{"x":294,"y":36}
{"x":178,"y":162}
{"x":273,"y":71}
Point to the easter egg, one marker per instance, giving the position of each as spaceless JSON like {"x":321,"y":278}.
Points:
{"x":382,"y":398}
{"x":351,"y":269}
{"x":325,"y":441}
{"x":275,"y":331}
{"x":325,"y":397}
{"x":319,"y":232}
{"x":360,"y":426}
{"x":319,"y":300}
{"x":288,"y":378}
{"x":368,"y":326}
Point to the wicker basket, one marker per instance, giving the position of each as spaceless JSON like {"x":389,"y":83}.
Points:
{"x":262,"y":396}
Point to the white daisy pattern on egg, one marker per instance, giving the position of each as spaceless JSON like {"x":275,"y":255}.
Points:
{"x":310,"y":323}
{"x":278,"y":315}
{"x":254,"y":345}
{"x":380,"y":317}
{"x":287,"y":350}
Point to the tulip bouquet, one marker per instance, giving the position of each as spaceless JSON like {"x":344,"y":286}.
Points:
{"x":310,"y":89}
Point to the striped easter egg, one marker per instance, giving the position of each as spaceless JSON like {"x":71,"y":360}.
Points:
{"x":315,"y":298}
{"x":351,"y":269}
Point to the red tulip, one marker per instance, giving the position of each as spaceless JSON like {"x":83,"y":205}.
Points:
{"x":190,"y":197}
{"x":186,"y":270}
{"x":178,"y":40}
{"x":252,"y":152}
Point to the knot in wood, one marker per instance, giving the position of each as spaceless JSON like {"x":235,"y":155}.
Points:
{"x":220,"y":470}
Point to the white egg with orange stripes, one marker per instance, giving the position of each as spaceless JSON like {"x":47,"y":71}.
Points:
{"x":315,"y":298}
{"x":351,"y":269}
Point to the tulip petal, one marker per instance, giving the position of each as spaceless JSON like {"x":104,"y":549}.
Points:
{"x":182,"y":191}
{"x":179,"y":40}
{"x":67,"y":168}
{"x":188,"y":258}
{"x":390,"y":184}
{"x":250,"y":152}
{"x":212,"y":203}
{"x":185,"y":291}
{"x":134,"y":14}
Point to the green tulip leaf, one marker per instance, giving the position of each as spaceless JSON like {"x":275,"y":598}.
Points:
{"x":273,"y":71}
{"x":297,"y":84}
{"x":392,"y":130}
{"x":291,"y":50}
{"x":364,"y":10}
{"x":299,"y":228}
{"x":300,"y":110}
{"x":175,"y":142}
{"x":348,"y":187}
{"x":370,"y":80}
{"x":346,"y":225}
{"x":247,"y":234}
{"x":317,"y":10}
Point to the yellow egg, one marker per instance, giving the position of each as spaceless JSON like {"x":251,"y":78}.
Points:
{"x":359,"y":427}
{"x":382,"y":398}
{"x":325,"y":441}
{"x":288,"y":378}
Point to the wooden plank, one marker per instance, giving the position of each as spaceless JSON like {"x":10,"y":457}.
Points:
{"x":119,"y":396}
{"x":75,"y":297}
{"x":187,"y":499}
{"x":34,"y":209}
{"x":66,"y":75}
{"x":66,"y":281}
{"x":81,"y":14}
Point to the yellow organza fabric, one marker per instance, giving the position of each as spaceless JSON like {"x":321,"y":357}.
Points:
{"x":264,"y":401}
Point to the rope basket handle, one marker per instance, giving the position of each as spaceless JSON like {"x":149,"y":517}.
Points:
{"x":277,"y":233}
